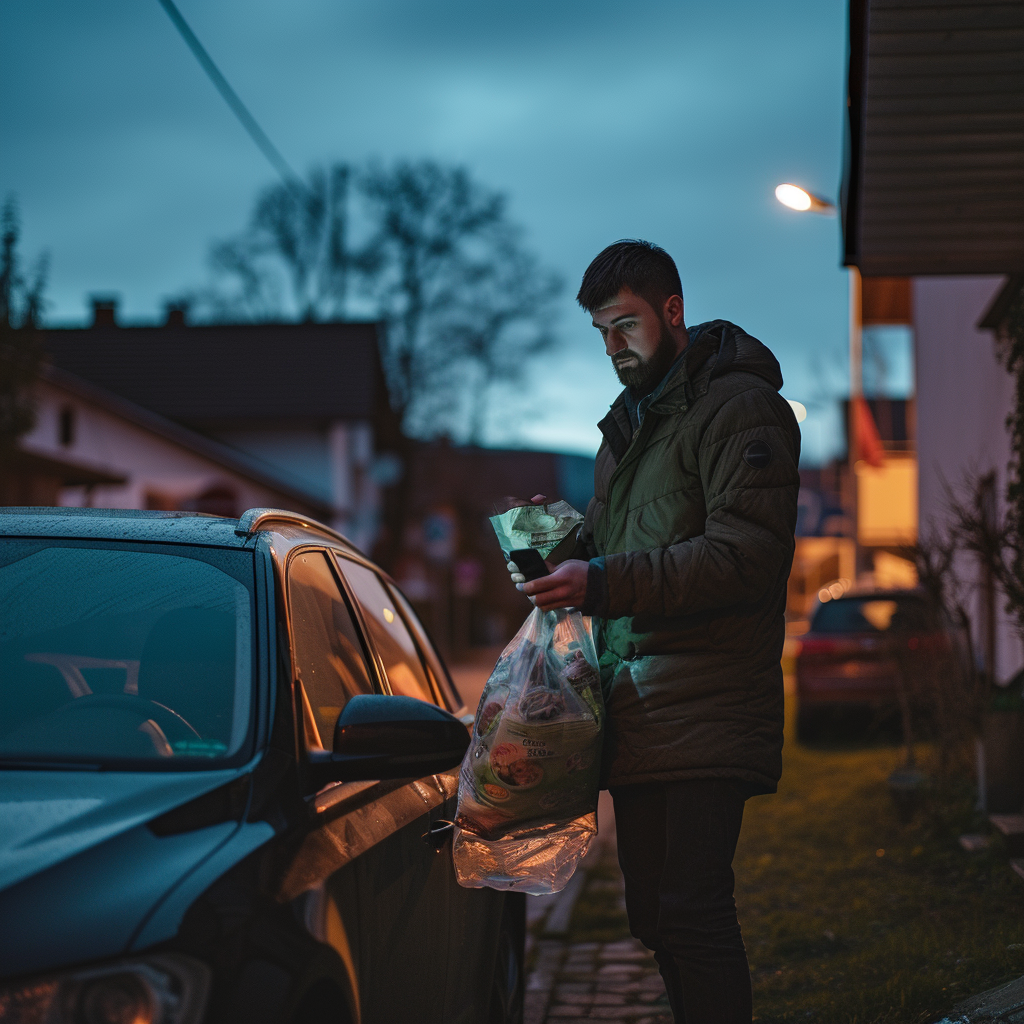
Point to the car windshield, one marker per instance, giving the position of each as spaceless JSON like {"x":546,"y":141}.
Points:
{"x":130,"y":656}
{"x":875,"y":614}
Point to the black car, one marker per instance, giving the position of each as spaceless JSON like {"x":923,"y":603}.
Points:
{"x":228,"y":760}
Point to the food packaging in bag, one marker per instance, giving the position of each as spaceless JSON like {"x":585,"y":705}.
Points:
{"x":528,"y":785}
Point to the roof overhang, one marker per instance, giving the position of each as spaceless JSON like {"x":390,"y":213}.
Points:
{"x":934,"y":181}
{"x":70,"y":472}
{"x":230,"y":459}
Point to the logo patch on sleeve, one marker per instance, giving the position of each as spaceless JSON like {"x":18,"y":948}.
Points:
{"x":758,"y":454}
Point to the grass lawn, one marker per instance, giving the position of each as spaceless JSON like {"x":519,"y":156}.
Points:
{"x":850,"y":916}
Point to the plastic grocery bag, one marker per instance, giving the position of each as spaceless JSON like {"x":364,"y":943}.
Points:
{"x":528,"y":786}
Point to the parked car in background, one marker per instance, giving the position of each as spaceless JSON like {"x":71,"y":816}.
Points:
{"x":847,"y":662}
{"x":228,"y":764}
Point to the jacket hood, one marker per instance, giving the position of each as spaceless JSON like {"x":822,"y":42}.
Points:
{"x":722,"y":347}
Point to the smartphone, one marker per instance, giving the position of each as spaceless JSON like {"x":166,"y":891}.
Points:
{"x":529,"y":563}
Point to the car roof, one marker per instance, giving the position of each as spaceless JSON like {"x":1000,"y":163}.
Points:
{"x":167,"y":527}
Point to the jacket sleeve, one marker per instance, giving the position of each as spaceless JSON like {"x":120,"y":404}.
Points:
{"x":748,"y":460}
{"x":585,"y":548}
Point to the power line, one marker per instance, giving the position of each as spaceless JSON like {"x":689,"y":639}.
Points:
{"x":249,"y":123}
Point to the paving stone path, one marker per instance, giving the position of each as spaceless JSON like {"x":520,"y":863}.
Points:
{"x":615,"y":981}
{"x":609,"y":981}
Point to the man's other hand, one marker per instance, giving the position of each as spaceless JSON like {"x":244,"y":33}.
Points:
{"x":565,"y":587}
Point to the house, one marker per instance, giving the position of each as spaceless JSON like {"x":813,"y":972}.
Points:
{"x":90,"y":447}
{"x":933,"y":202}
{"x":303,"y":409}
{"x":305,"y":401}
{"x":835,"y":526}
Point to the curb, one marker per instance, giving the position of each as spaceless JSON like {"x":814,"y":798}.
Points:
{"x":1001,"y":1004}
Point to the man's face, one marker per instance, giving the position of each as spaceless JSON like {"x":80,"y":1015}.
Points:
{"x":637,"y":339}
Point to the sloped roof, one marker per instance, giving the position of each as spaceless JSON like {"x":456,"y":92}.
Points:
{"x":218,"y":374}
{"x":71,"y":472}
{"x":238,"y":462}
{"x":935,"y":176}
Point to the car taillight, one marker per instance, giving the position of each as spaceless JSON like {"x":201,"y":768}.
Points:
{"x":848,"y":646}
{"x":819,"y":646}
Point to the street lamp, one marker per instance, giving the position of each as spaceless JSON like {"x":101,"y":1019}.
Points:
{"x":799,"y":199}
{"x":802,"y":201}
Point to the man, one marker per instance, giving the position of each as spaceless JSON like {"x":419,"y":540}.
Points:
{"x":683,"y":560}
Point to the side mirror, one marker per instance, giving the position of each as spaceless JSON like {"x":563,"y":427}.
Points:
{"x":385,"y":737}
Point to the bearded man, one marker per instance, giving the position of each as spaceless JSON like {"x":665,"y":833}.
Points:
{"x":683,"y":560}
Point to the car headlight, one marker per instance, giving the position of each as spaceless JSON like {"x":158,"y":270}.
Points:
{"x":164,"y":988}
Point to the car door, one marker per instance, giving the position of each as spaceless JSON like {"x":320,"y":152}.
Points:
{"x":414,"y":668}
{"x":401,"y":884}
{"x":362,"y":879}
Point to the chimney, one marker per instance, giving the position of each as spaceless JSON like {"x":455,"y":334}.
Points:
{"x":177,"y":313}
{"x":104,"y":311}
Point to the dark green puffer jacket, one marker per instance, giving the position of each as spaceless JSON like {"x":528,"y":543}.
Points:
{"x":694,"y":517}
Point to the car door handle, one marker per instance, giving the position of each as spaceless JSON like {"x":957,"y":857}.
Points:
{"x":439,"y":833}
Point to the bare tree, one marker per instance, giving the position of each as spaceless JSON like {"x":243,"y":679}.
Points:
{"x":466,"y":307}
{"x":939,"y":677}
{"x":502,"y":325}
{"x":996,"y":539}
{"x":1008,"y":567}
{"x":292,"y":261}
{"x":453,"y":283}
{"x":21,"y":306}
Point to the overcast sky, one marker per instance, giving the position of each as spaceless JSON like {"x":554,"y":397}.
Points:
{"x":671,"y":120}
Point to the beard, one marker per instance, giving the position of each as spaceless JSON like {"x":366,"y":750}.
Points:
{"x":641,"y":375}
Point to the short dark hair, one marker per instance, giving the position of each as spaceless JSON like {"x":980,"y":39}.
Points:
{"x":642,"y":267}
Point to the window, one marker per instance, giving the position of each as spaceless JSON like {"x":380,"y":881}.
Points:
{"x":111,"y":654}
{"x":328,"y":651}
{"x":396,"y":647}
{"x":442,"y":680}
{"x":66,"y":426}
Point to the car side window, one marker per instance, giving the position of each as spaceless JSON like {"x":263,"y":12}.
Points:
{"x":329,"y":654}
{"x":388,"y":633}
{"x":442,"y":680}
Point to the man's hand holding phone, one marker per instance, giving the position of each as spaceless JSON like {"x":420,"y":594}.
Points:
{"x":565,"y":584}
{"x":564,"y":587}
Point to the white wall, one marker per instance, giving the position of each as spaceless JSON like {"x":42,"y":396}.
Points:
{"x":150,"y":462}
{"x":963,"y":397}
{"x":299,"y":455}
{"x":333,"y":463}
{"x":355,"y":497}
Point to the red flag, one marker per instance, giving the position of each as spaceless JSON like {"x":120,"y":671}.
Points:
{"x":865,"y":434}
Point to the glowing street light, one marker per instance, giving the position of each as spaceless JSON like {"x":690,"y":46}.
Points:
{"x":799,"y":410}
{"x":800,"y":199}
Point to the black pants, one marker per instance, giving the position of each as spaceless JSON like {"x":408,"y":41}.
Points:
{"x":676,"y":844}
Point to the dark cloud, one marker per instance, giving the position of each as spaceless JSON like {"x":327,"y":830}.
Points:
{"x":671,"y":120}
